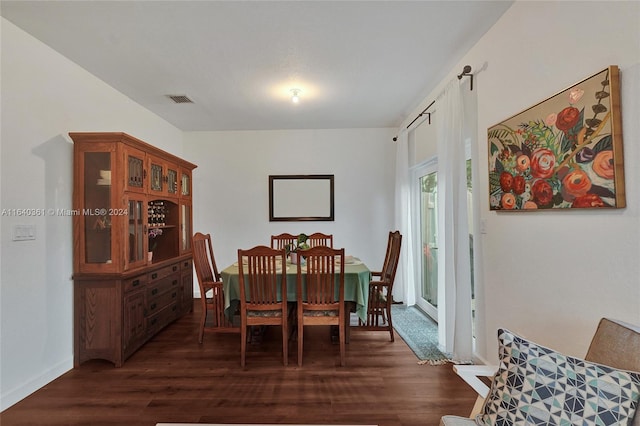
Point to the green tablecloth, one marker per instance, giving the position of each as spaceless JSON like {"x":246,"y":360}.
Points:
{"x":356,"y":286}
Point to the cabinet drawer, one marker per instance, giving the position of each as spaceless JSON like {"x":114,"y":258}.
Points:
{"x":135,"y":283}
{"x":161,"y":318}
{"x":186,"y":265}
{"x":159,"y":274}
{"x":157,"y":288}
{"x":166,"y":298}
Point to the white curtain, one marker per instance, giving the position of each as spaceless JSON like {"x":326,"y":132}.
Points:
{"x":453,"y":257}
{"x":404,"y":285}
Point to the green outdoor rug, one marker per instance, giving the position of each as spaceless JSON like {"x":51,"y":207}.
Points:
{"x":419,"y":332}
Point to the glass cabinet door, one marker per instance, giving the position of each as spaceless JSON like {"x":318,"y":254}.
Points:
{"x":163,"y":178}
{"x":135,"y":238}
{"x":172,"y":180}
{"x":97,"y":244}
{"x":157,"y":184}
{"x":185,"y":228}
{"x":134,"y":169}
{"x":185,"y":183}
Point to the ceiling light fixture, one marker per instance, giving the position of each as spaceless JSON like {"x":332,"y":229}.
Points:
{"x":295,"y":95}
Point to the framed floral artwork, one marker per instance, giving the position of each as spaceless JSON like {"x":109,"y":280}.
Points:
{"x":562,"y":153}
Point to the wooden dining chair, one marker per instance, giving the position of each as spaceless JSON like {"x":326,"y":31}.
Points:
{"x":282,"y":241}
{"x":320,"y":239}
{"x":263,"y":293}
{"x":316,"y":294}
{"x":210,"y":283}
{"x":380,"y":289}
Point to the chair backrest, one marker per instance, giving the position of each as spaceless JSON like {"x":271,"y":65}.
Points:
{"x":320,"y":239}
{"x":203,"y":259}
{"x":616,"y":344}
{"x":391,"y":258}
{"x":324,"y":269}
{"x":263,"y":283}
{"x":281,"y":241}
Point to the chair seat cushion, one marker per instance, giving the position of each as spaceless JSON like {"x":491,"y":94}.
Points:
{"x":538,"y":386}
{"x":328,"y":313}
{"x":262,"y":314}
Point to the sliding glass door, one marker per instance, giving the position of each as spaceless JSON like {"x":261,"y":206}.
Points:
{"x":471,"y":237}
{"x":425,"y":196}
{"x":425,"y":193}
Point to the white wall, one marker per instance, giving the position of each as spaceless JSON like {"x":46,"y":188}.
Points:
{"x":231,"y":186}
{"x":551,"y":275}
{"x":45,"y":96}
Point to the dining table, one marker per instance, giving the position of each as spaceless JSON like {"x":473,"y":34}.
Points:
{"x":357,"y":277}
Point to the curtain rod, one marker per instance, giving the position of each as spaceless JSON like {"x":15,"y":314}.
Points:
{"x":466,"y":72}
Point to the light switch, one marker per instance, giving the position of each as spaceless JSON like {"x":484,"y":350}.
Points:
{"x":24,"y":232}
{"x":483,"y":226}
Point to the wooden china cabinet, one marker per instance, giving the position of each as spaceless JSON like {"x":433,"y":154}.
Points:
{"x":133,"y":268}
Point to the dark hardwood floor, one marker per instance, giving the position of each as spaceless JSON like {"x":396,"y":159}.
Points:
{"x":174,"y":379}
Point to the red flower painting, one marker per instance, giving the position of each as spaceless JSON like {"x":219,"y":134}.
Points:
{"x":565,"y":152}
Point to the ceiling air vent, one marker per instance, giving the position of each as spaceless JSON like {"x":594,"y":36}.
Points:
{"x":180,"y":99}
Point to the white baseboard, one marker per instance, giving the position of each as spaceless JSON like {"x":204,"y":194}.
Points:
{"x":12,"y":396}
{"x":480,"y":360}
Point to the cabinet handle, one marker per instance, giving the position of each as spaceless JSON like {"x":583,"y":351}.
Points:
{"x":175,"y":268}
{"x":153,"y":306}
{"x":135,"y":283}
{"x":144,"y":174}
{"x":174,"y":308}
{"x":173,"y":295}
{"x":154,"y":321}
{"x":186,"y":264}
{"x":154,"y":276}
{"x":154,"y":291}
{"x":175,"y":282}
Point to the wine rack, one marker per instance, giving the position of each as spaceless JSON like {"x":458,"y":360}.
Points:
{"x":157,"y":213}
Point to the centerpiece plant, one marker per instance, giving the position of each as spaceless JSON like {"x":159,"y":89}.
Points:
{"x":153,"y":243}
{"x":293,"y":248}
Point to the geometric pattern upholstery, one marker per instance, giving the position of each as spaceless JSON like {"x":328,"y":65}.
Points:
{"x":535,"y":385}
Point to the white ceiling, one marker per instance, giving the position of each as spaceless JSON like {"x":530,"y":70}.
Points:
{"x":357,"y":63}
